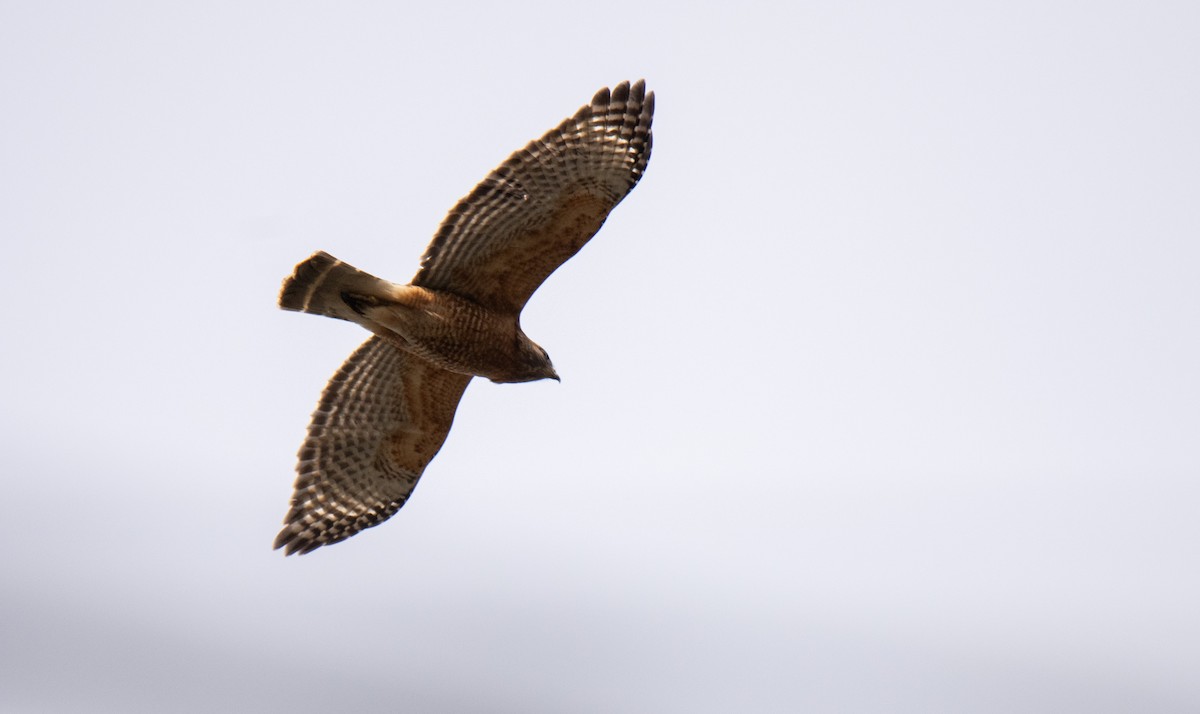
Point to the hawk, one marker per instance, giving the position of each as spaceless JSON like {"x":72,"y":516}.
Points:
{"x":385,"y":414}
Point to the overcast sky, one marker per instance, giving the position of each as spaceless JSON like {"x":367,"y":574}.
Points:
{"x":880,"y":392}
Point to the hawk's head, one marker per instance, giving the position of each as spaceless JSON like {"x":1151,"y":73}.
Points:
{"x":532,"y":363}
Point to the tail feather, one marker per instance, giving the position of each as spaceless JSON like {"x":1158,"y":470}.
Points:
{"x":321,"y":285}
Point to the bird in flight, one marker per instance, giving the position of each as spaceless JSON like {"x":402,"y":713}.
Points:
{"x":385,"y":413}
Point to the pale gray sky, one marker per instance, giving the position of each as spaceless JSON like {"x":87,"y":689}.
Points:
{"x":879,"y":392}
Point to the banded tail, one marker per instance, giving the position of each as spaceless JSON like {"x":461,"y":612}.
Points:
{"x":324,"y":285}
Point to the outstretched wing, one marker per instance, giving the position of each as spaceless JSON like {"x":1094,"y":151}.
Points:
{"x":380,"y":421}
{"x":541,"y":206}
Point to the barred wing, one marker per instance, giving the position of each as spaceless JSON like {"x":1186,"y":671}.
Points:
{"x":380,"y":421}
{"x":542,"y":205}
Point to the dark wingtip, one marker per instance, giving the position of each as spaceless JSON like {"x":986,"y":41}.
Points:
{"x":620,"y":93}
{"x":289,"y":540}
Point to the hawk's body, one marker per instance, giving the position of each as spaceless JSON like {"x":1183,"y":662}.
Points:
{"x":385,"y":414}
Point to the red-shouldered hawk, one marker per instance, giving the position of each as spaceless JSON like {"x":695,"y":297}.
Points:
{"x":386,"y":412}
